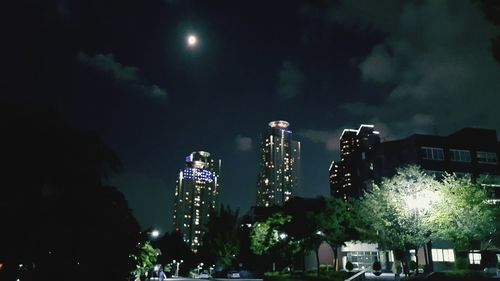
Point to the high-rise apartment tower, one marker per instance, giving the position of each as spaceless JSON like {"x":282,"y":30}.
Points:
{"x":348,"y":176}
{"x":278,"y":179}
{"x":196,"y":193}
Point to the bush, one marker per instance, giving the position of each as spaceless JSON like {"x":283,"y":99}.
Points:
{"x":349,"y":266}
{"x":376,"y":266}
{"x":462,"y":263}
{"x":399,"y":269}
{"x":412,"y":265}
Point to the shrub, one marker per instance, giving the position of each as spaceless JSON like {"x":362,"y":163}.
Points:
{"x":349,"y":266}
{"x":462,"y":263}
{"x":377,"y":266}
{"x":412,"y":265}
{"x":399,"y":269}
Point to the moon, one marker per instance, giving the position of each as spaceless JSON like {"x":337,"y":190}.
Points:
{"x":192,"y":40}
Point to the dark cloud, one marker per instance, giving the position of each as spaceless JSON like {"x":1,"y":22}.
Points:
{"x":107,"y":64}
{"x":243,"y":143}
{"x":290,"y":81}
{"x":442,"y":72}
{"x":329,"y":138}
{"x":377,"y":66}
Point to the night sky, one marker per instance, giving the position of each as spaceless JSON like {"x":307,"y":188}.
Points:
{"x":122,"y":69}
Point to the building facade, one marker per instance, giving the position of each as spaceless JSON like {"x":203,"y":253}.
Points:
{"x":348,"y":176}
{"x":470,"y":152}
{"x":279,"y":162}
{"x":196,"y":194}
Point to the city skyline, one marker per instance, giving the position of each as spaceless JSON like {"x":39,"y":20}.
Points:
{"x":129,"y":72}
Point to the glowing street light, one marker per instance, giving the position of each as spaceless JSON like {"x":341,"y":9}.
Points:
{"x":155,"y":233}
{"x":420,"y":201}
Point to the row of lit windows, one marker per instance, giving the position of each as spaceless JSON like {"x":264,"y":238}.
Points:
{"x":458,"y":155}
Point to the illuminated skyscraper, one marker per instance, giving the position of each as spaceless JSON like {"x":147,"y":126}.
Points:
{"x":357,"y":155}
{"x":196,"y":193}
{"x":278,"y":179}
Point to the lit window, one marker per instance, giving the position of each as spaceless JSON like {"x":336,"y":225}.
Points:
{"x":460,"y":155}
{"x":432,"y":153}
{"x":474,"y":258}
{"x":443,"y":255}
{"x":486,"y":157}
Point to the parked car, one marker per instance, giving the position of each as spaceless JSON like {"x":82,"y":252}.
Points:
{"x":203,"y":275}
{"x":233,"y":275}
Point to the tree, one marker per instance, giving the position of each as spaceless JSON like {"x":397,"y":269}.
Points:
{"x":464,"y":215}
{"x":398,"y":211}
{"x":58,"y":216}
{"x":491,"y":10}
{"x":338,"y":223}
{"x":266,"y":235}
{"x":271,"y":238}
{"x":220,"y":241}
{"x":145,"y":259}
{"x":173,"y":247}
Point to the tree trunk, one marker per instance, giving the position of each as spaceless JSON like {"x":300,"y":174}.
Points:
{"x":406,"y":258}
{"x":317,"y":261}
{"x":387,"y":266}
{"x":416,"y":261}
{"x":335,"y":258}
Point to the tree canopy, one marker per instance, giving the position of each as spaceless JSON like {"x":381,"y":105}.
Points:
{"x":58,"y":218}
{"x":464,"y":216}
{"x":220,"y":242}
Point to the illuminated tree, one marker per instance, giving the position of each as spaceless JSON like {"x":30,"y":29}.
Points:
{"x":145,"y":259}
{"x":464,"y":215}
{"x":398,"y":210}
{"x":266,"y":235}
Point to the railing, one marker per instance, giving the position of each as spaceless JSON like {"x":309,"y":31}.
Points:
{"x":359,"y":276}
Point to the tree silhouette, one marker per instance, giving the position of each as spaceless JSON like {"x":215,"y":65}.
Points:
{"x":59,"y":220}
{"x":491,"y":10}
{"x":220,"y":242}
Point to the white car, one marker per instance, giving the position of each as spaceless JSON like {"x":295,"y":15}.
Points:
{"x":203,"y":275}
{"x":233,"y":275}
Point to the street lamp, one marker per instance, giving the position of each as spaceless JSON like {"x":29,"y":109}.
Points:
{"x":177,"y":264}
{"x":155,"y":233}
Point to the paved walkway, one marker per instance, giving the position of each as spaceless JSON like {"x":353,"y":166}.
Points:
{"x":383,"y":276}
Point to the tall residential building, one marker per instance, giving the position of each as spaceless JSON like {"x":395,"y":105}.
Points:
{"x":278,"y":179}
{"x":348,"y":176}
{"x":196,"y":193}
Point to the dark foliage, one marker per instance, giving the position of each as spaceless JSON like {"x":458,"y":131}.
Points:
{"x":58,"y":220}
{"x":491,"y":10}
{"x":173,"y":247}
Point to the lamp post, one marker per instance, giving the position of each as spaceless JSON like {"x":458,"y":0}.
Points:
{"x":155,"y":233}
{"x":177,"y":264}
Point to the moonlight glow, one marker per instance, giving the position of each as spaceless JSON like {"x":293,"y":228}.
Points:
{"x":192,"y":40}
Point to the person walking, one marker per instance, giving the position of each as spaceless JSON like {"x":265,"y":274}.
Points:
{"x":162,"y":275}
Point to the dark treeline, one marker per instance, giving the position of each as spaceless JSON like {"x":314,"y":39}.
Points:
{"x":59,"y":221}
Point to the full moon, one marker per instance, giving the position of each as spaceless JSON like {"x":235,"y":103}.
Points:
{"x":192,"y":40}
